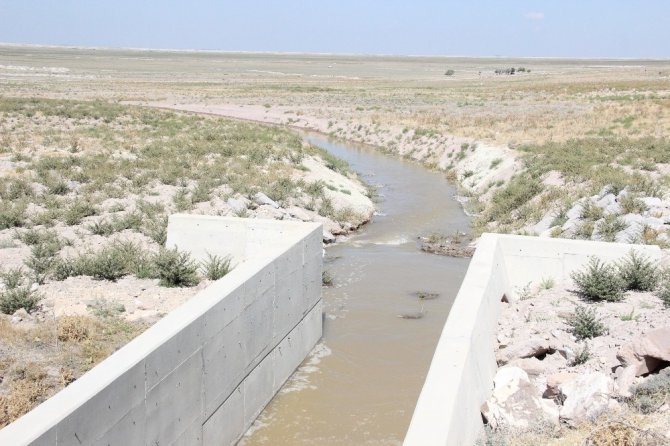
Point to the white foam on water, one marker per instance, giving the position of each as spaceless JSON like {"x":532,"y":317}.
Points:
{"x":300,"y":379}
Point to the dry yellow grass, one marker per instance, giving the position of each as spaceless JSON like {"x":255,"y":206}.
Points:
{"x":39,"y":359}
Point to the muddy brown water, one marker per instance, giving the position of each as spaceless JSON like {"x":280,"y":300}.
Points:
{"x":360,"y":384}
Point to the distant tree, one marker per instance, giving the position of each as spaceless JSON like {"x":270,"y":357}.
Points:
{"x":449,"y":73}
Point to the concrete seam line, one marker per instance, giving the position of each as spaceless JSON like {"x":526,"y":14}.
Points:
{"x":269,"y":352}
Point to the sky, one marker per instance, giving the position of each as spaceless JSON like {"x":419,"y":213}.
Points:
{"x":525,"y":28}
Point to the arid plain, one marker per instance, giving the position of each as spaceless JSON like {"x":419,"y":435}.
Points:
{"x":560,"y":148}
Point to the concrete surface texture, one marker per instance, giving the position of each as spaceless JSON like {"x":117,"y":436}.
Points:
{"x":461,"y":374}
{"x":202,"y":374}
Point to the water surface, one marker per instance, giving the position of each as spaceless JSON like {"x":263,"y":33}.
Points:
{"x":361,"y":383}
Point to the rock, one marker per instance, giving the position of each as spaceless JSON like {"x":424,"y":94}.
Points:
{"x":644,"y":355}
{"x":534,"y":346}
{"x":536,"y":366}
{"x":328,"y":237}
{"x":73,"y":185}
{"x":236,"y":204}
{"x":516,"y":403}
{"x":34,"y":287}
{"x":641,"y":220}
{"x":261,"y":199}
{"x":606,"y":200}
{"x":299,"y":213}
{"x":647,"y":352}
{"x":586,"y":397}
{"x":575,"y":212}
{"x":269,"y":212}
{"x":555,"y":381}
{"x":21,"y":315}
{"x":652,"y":202}
{"x":544,"y":224}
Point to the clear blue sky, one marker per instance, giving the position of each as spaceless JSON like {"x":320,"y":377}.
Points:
{"x":559,"y":28}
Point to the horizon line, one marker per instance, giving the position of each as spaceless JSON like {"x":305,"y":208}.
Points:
{"x":307,"y":53}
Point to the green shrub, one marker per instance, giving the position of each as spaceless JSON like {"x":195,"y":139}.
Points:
{"x":17,"y":298}
{"x":17,"y":293}
{"x":599,"y":281}
{"x":585,"y":323}
{"x":215,"y":267}
{"x":42,"y":260}
{"x":651,"y":394}
{"x":102,"y":227}
{"x":663,"y":291}
{"x":12,"y":215}
{"x":16,"y":190}
{"x":175,"y":269}
{"x":77,"y":211}
{"x":107,"y":264}
{"x":33,"y":237}
{"x":638,"y":272}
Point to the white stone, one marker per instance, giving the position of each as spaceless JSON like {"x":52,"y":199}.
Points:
{"x":586,"y":397}
{"x":261,"y":198}
{"x":236,"y":204}
{"x":516,"y":403}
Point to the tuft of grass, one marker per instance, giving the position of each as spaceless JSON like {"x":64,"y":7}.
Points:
{"x":78,"y":210}
{"x":103,"y":308}
{"x":505,"y":201}
{"x":599,"y":281}
{"x":547,"y":283}
{"x":585,"y":323}
{"x":630,"y":204}
{"x":216,"y":267}
{"x":591,"y":211}
{"x":582,"y":356}
{"x":610,"y":226}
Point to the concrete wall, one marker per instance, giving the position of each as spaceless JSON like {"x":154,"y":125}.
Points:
{"x":461,"y":374}
{"x":202,"y":374}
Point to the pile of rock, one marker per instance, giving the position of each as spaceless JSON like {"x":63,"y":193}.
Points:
{"x":648,"y":212}
{"x":535,"y":385}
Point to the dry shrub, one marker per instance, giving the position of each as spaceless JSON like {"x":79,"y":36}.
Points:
{"x":29,"y":387}
{"x":612,"y":434}
{"x":74,"y":328}
{"x":622,"y":433}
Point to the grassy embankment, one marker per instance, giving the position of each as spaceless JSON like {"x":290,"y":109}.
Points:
{"x":85,"y":190}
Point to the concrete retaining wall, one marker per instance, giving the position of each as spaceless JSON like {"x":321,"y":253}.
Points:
{"x":202,"y":374}
{"x":461,"y":374}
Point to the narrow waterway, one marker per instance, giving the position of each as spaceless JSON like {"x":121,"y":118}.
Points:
{"x":361,"y":383}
